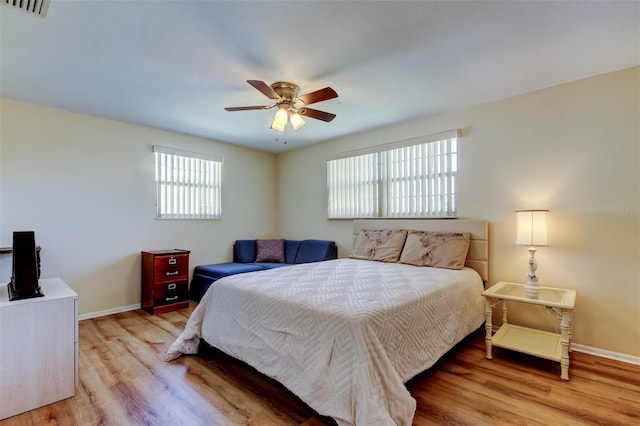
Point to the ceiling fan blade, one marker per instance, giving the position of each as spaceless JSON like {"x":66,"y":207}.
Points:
{"x":246,"y":108}
{"x":265,"y":89}
{"x":314,"y":113}
{"x":318,"y":96}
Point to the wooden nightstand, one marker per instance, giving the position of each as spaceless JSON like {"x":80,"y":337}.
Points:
{"x":554,"y":346}
{"x":165,"y":280}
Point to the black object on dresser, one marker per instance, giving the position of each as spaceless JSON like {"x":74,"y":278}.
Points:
{"x":26,"y":267}
{"x":165,"y":275}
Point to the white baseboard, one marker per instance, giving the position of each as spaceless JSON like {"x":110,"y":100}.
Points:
{"x":616,"y":356}
{"x":108,"y":312}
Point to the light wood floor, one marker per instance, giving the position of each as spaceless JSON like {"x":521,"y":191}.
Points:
{"x":124,"y":381}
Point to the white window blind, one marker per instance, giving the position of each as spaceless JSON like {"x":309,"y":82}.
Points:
{"x":413,"y":178}
{"x":188,"y":185}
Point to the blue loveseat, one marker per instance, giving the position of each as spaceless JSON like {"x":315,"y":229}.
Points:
{"x":244,"y":256}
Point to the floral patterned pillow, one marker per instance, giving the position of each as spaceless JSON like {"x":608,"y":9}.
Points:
{"x":270,"y":251}
{"x":382,"y":245}
{"x":438,"y":249}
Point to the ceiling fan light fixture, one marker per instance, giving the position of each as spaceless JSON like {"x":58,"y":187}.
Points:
{"x":280,"y":119}
{"x":276,"y":126}
{"x":291,"y":107}
{"x":296,"y":120}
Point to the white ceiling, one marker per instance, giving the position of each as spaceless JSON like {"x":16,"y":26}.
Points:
{"x":176,"y":64}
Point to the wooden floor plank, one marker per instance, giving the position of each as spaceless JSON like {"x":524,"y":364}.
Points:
{"x":125,"y":381}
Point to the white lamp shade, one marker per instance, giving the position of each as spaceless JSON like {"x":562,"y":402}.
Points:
{"x":296,"y":121}
{"x":531,"y":226}
{"x":280,"y":119}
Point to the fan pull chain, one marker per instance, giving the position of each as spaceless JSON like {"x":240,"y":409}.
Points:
{"x":277,"y":139}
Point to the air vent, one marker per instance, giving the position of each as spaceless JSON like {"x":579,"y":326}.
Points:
{"x":36,"y":7}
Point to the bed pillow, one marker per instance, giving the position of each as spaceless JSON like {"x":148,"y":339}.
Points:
{"x":438,"y":249}
{"x":381,"y":245}
{"x":270,"y":251}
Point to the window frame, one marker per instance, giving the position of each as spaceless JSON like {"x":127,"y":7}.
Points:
{"x":393,"y":175}
{"x":194,"y":189}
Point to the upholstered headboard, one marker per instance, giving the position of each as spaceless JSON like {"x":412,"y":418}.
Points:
{"x":478,"y":255}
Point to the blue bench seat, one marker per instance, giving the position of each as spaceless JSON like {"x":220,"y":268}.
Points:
{"x":244,"y":256}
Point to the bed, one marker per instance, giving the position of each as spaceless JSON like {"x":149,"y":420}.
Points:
{"x":345,"y":335}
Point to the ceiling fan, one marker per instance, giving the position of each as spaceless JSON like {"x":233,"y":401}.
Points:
{"x":291,"y":107}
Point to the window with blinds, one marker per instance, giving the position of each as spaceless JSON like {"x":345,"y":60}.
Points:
{"x":188,"y":185}
{"x":413,"y":178}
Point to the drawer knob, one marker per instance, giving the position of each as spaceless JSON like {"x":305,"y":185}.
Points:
{"x":172,"y":273}
{"x":169,"y":299}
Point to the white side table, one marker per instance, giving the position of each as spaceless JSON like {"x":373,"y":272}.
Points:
{"x":552,"y":346}
{"x":38,"y":348}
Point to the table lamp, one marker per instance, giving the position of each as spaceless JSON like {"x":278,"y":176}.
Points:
{"x":531,"y":228}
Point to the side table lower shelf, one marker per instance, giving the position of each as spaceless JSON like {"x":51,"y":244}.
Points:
{"x":529,"y":341}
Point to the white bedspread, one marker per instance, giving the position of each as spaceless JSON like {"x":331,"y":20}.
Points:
{"x":344,"y":335}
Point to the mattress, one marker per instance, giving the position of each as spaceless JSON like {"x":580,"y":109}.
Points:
{"x":343,"y":335}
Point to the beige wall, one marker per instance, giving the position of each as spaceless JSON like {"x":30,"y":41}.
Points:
{"x":573,"y":149}
{"x":86,"y":187}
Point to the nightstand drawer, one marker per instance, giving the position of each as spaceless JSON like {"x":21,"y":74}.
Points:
{"x":175,"y":267}
{"x":171,"y":292}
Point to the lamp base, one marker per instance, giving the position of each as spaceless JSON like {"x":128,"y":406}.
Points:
{"x":532,"y":288}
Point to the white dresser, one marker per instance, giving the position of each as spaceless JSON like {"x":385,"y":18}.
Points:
{"x":38,"y":348}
